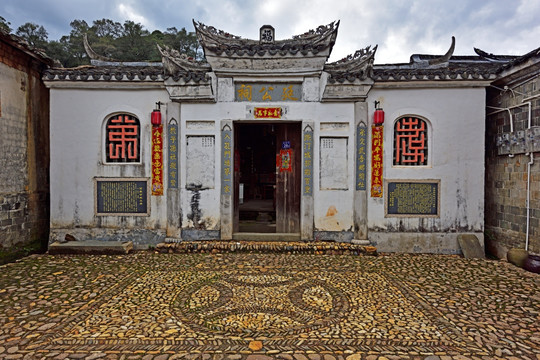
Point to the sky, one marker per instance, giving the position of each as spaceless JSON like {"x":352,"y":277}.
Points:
{"x":399,"y":27}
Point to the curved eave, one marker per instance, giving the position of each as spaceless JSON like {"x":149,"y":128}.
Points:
{"x":313,"y":42}
{"x":360,"y":61}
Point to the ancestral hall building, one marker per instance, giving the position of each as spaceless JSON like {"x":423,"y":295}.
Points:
{"x":267,"y":139}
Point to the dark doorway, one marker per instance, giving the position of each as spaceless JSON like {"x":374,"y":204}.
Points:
{"x":267,"y":177}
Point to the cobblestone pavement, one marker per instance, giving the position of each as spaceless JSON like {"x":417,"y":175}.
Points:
{"x":264,"y":306}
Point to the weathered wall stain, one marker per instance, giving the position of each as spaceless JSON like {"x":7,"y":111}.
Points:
{"x":196,"y":213}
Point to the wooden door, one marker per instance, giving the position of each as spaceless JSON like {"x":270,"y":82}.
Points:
{"x":288,"y":177}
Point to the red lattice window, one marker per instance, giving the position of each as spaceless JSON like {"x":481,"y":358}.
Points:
{"x":122,"y":139}
{"x":410,"y":142}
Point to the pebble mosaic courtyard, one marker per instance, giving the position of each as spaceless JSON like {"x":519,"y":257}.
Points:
{"x":156,"y":306}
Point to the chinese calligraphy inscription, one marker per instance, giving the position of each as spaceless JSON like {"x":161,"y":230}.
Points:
{"x":419,"y":198}
{"x":226,"y":161}
{"x":122,"y":139}
{"x":118,"y":197}
{"x":157,"y":160}
{"x":361,"y":141}
{"x":259,"y":92}
{"x":173,"y":155}
{"x":308,"y":162}
{"x":377,"y":161}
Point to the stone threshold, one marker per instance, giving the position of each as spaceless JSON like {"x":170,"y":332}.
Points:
{"x":270,"y":247}
{"x":91,"y":247}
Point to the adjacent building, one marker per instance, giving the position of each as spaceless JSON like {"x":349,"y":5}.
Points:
{"x":513,"y":141}
{"x":24,"y":146}
{"x":266,"y":139}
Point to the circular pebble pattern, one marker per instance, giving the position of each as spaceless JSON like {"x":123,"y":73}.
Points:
{"x":267,"y":306}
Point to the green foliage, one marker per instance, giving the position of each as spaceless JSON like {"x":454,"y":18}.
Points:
{"x":4,"y":25}
{"x":35,"y":34}
{"x":121,"y":42}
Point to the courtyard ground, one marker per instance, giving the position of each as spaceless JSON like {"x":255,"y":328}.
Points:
{"x":267,"y":306}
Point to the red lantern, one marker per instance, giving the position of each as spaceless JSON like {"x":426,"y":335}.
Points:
{"x":156,"y":115}
{"x":378,"y":116}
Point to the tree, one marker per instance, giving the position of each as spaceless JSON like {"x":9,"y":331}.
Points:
{"x":183,"y":41}
{"x":4,"y":25}
{"x":34,"y":34}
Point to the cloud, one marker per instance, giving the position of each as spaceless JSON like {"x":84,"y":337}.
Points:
{"x":400,"y":28}
{"x":128,"y":12}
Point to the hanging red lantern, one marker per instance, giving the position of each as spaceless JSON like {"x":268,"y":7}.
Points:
{"x":156,"y":115}
{"x":378,"y":116}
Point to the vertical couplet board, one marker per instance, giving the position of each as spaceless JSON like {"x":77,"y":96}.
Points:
{"x":377,"y":136}
{"x":226,"y":162}
{"x":173,"y":155}
{"x":361,"y":141}
{"x":288,"y":182}
{"x":157,"y":160}
{"x":308,"y":162}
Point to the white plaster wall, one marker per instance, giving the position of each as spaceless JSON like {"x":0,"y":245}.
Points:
{"x":77,"y":118}
{"x":326,"y":113}
{"x":456,"y":156}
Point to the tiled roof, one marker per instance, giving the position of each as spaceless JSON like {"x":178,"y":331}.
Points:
{"x":106,"y":73}
{"x":120,"y":73}
{"x":352,"y":67}
{"x":457,"y":68}
{"x":521,"y":59}
{"x":220,"y":42}
{"x":24,"y":46}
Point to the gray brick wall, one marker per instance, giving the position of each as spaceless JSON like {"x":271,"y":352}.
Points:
{"x":24,"y":153}
{"x":506,"y":176}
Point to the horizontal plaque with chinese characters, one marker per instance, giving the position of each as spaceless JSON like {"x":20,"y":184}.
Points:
{"x":412,"y":198}
{"x":267,"y":112}
{"x":121,"y":197}
{"x":257,"y":92}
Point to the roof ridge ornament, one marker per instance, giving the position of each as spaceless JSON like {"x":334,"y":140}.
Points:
{"x":357,"y":65}
{"x":267,"y":34}
{"x":446,"y":57}
{"x":175,"y":62}
{"x":92,"y":54}
{"x":491,"y":57}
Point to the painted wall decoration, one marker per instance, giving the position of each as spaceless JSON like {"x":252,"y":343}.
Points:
{"x":266,"y":92}
{"x":361,"y":142}
{"x":121,"y":196}
{"x":284,"y":160}
{"x":308,"y":161}
{"x":377,"y":137}
{"x":157,"y":160}
{"x":268,"y":112}
{"x":173,"y":154}
{"x":122,"y":139}
{"x":226,"y":161}
{"x":417,"y":198}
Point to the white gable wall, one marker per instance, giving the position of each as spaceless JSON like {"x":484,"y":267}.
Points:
{"x":77,"y":120}
{"x":456,"y":157}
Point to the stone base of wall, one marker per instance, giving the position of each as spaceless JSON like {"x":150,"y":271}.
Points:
{"x":19,"y":224}
{"x":432,"y":243}
{"x":499,"y":241}
{"x":141,"y":238}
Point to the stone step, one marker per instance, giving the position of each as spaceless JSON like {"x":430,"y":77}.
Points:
{"x":94,"y":247}
{"x":277,"y":247}
{"x":245,"y":236}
